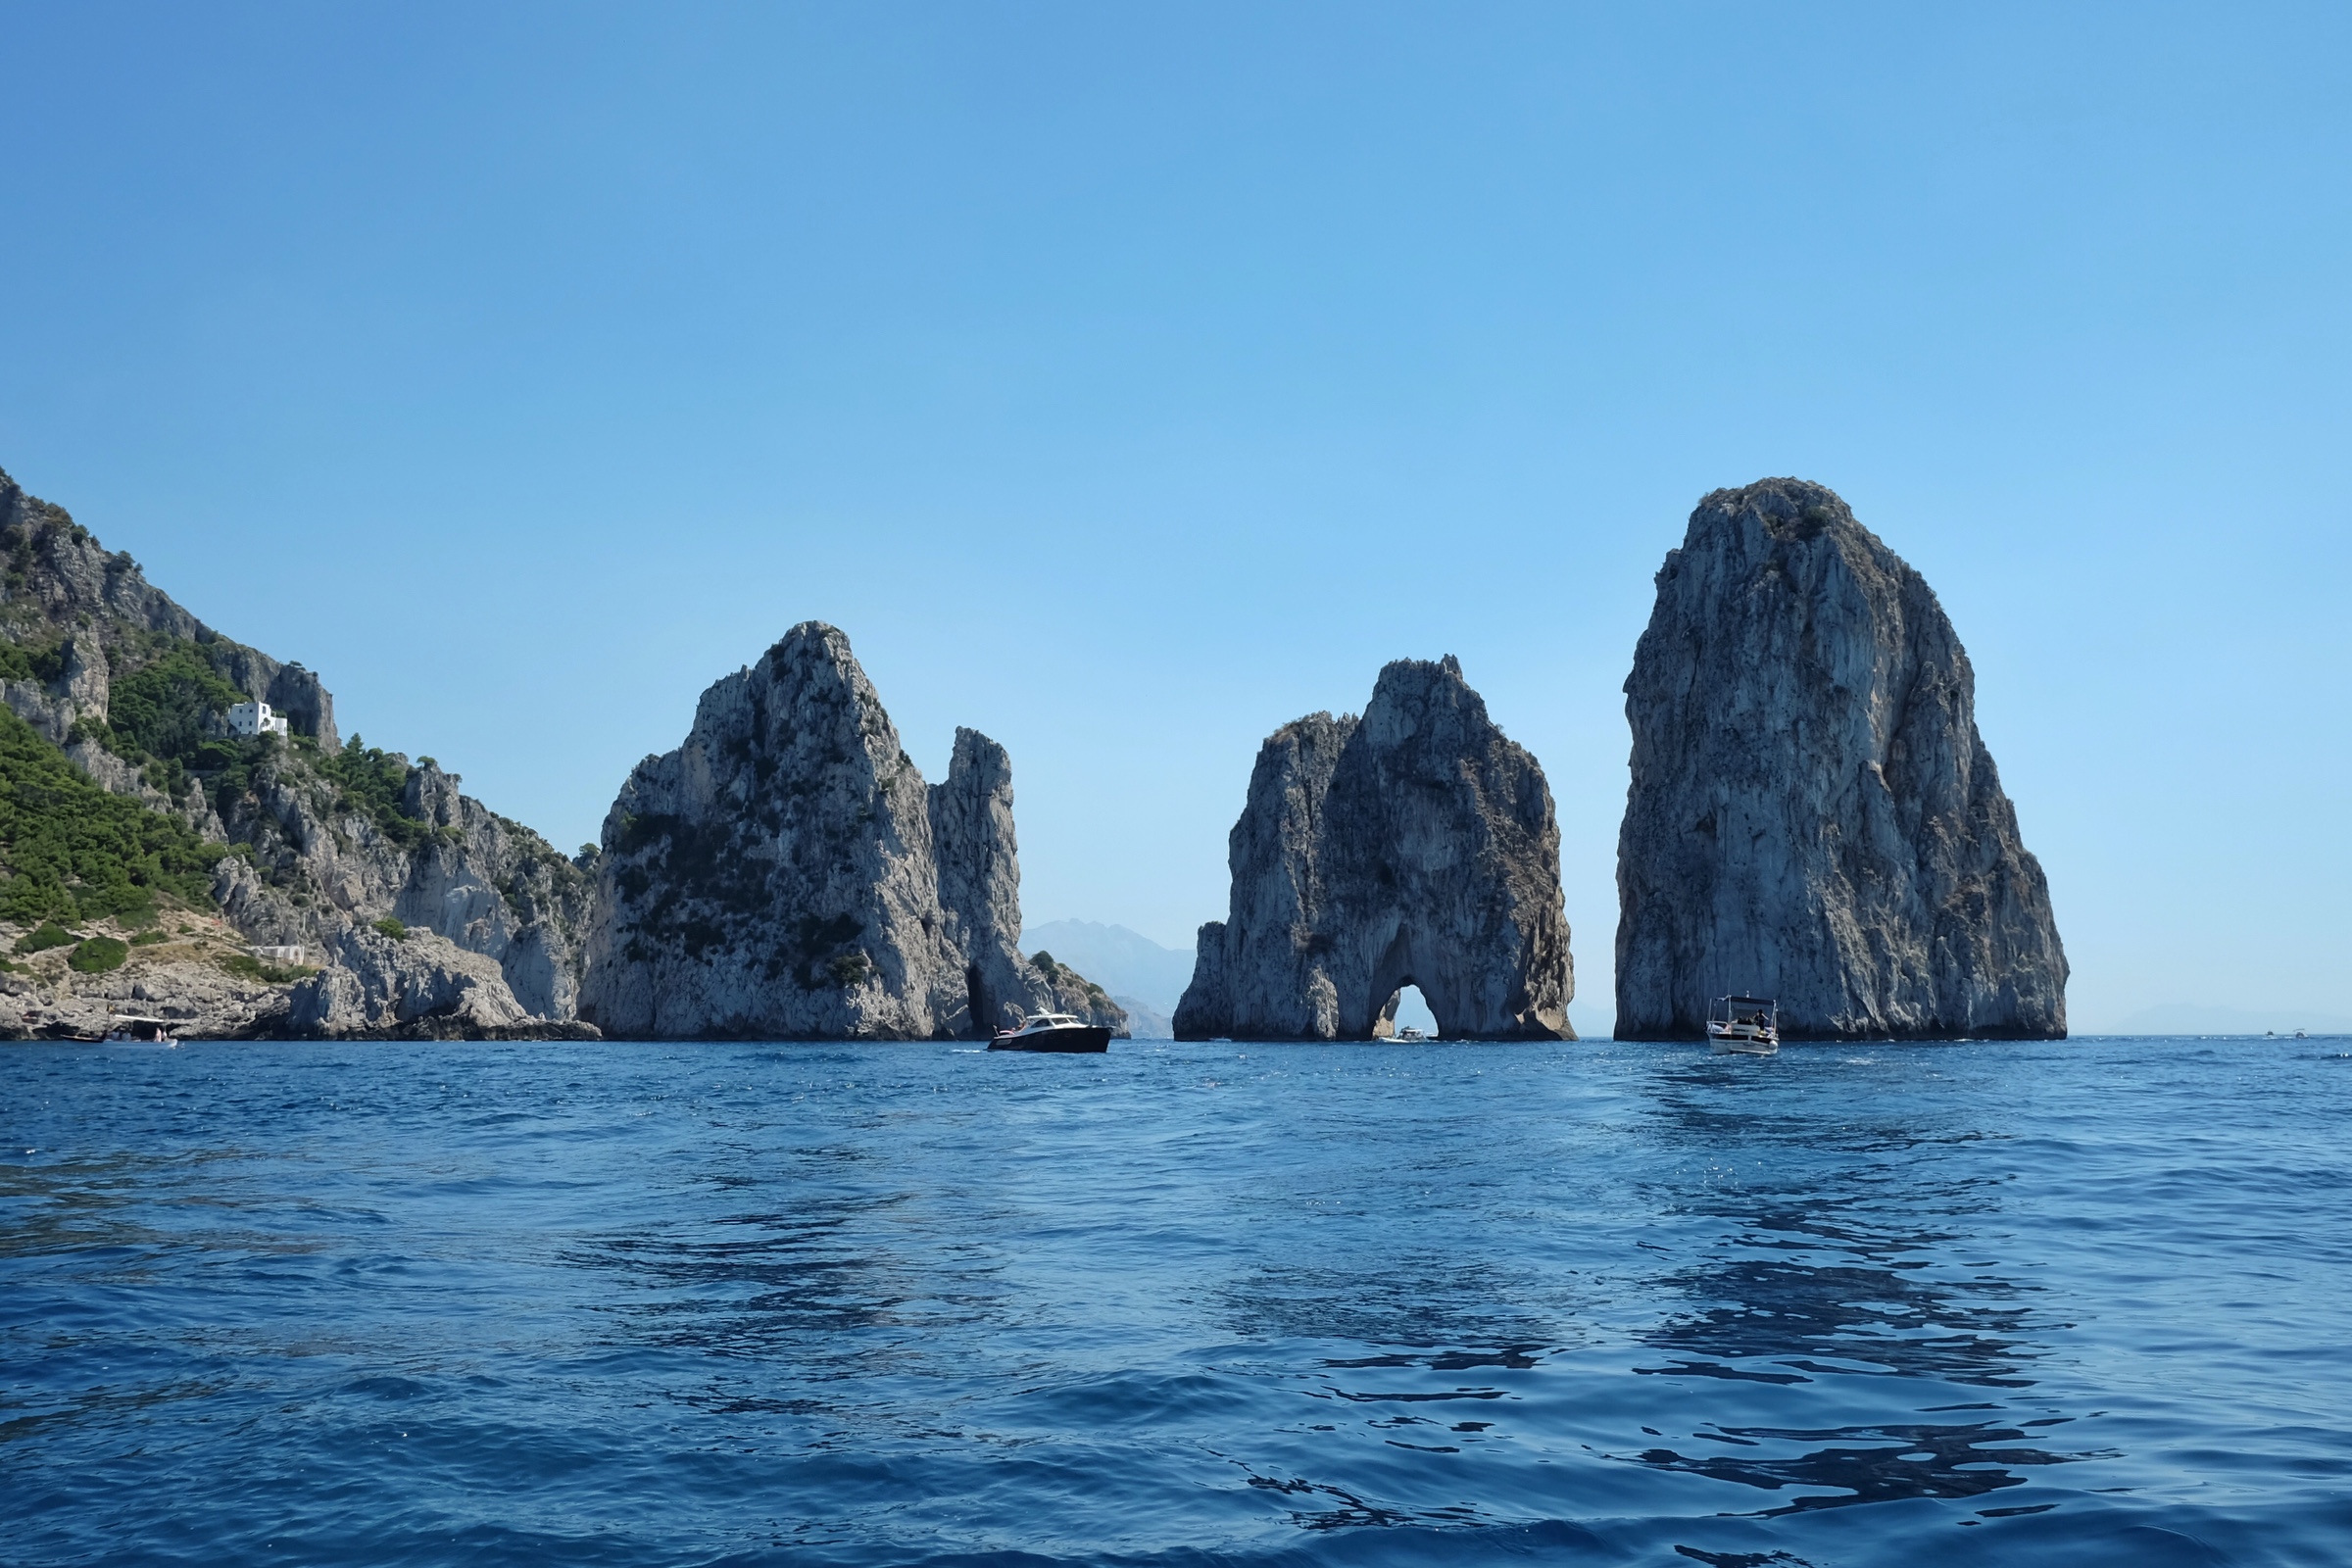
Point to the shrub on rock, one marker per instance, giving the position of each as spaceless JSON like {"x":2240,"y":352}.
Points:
{"x":48,"y":935}
{"x":98,"y":954}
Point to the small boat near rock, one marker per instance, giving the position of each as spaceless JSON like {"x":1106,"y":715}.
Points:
{"x":1744,"y":1026}
{"x":130,"y":1030}
{"x":1054,"y":1031}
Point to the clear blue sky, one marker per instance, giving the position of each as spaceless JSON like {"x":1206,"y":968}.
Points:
{"x":1129,"y":380}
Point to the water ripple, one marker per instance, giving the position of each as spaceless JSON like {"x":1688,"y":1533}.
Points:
{"x":1183,"y":1304}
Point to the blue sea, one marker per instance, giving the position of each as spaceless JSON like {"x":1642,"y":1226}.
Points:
{"x":1974,"y":1303}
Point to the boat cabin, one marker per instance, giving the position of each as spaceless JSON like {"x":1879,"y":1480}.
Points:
{"x":1745,"y":1012}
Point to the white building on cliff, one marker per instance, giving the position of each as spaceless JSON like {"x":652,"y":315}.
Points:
{"x":255,"y":718}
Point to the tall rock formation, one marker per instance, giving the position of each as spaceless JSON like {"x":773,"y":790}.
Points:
{"x":786,"y":874}
{"x":978,"y":859}
{"x":1415,"y":846}
{"x":1812,"y":814}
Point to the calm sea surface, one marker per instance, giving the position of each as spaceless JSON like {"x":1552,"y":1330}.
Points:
{"x":2087,"y":1302}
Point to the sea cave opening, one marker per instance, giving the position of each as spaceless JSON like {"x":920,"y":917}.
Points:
{"x":1411,"y":1011}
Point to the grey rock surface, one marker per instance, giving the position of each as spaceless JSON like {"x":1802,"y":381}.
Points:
{"x":377,"y":984}
{"x":978,"y":859}
{"x":781,"y":875}
{"x":978,"y":854}
{"x":1416,"y":846}
{"x":182,"y":982}
{"x":774,"y":876}
{"x":318,"y":864}
{"x":1812,"y":814}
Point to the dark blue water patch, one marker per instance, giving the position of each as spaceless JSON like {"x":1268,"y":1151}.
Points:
{"x":1181,"y":1304}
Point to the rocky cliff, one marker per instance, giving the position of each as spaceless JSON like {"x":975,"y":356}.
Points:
{"x":787,"y":874}
{"x":64,"y":593}
{"x":193,"y":970}
{"x":393,"y":984}
{"x":1812,"y":812}
{"x":1415,"y":846}
{"x":978,"y":863}
{"x":351,"y":839}
{"x":135,"y":691}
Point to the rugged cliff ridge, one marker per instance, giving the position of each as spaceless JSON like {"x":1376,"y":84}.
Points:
{"x":1414,"y":846}
{"x":786,"y":873}
{"x":1813,"y":814}
{"x":85,"y":613}
{"x":136,"y":692}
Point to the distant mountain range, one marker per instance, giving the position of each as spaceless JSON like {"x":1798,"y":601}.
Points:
{"x":1141,"y":975}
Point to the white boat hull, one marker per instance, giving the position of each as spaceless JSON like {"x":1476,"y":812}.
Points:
{"x":1068,"y":1038}
{"x":1738,"y":1040}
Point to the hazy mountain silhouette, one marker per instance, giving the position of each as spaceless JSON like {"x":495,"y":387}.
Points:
{"x":1121,"y":961}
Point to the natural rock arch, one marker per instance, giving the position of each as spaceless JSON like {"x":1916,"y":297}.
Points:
{"x":1415,"y":846}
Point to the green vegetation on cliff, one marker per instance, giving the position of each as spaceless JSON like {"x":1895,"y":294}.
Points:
{"x":160,"y":707}
{"x":165,"y":715}
{"x":98,"y":954}
{"x":49,"y":934}
{"x":376,"y":785}
{"x":70,"y":850}
{"x":44,"y":663}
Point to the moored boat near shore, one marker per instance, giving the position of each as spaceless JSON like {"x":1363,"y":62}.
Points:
{"x":1054,"y":1031}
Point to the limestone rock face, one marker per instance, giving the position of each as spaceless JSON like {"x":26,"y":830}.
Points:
{"x":317,"y":865}
{"x":1415,"y":846}
{"x":201,"y":1001}
{"x":376,"y":983}
{"x":786,"y":874}
{"x":772,"y":877}
{"x":978,"y":856}
{"x":978,"y":859}
{"x":1813,"y":815}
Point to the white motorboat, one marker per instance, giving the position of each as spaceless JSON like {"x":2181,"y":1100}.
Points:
{"x":1052,"y":1031}
{"x":1744,"y":1026}
{"x":129,"y":1030}
{"x":1408,"y":1034}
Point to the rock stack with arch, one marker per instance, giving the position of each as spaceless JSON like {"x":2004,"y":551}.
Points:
{"x":1415,"y":846}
